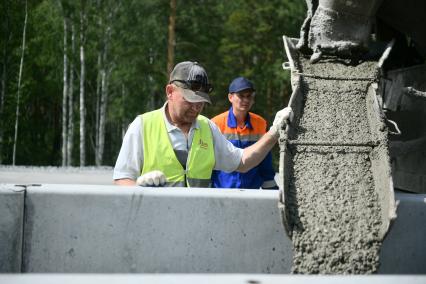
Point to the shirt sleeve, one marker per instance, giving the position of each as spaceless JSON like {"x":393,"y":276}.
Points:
{"x":130,"y":159}
{"x":227,"y":156}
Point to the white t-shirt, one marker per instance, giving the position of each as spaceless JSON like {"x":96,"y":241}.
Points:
{"x":130,"y":159}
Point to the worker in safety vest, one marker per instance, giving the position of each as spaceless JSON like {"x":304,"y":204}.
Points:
{"x":243,"y":128}
{"x":176,"y":146}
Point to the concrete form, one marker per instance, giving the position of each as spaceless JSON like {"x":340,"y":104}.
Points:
{"x":106,"y":229}
{"x":11,"y":226}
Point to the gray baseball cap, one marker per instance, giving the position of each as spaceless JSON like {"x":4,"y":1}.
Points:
{"x":193,"y":79}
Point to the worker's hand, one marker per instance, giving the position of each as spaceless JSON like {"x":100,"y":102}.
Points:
{"x":154,"y":178}
{"x":281,"y":119}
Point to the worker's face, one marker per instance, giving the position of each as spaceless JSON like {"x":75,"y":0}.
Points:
{"x":181,"y":110}
{"x":242,"y":101}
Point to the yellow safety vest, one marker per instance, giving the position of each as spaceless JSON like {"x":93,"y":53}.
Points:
{"x":159,"y":155}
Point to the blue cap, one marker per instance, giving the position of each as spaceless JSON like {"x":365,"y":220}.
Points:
{"x":240,"y":84}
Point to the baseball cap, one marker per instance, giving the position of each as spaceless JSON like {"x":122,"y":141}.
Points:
{"x":193,"y":79}
{"x":240,"y":84}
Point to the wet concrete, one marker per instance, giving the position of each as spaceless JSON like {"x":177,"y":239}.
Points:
{"x":335,"y":110}
{"x":335,"y":211}
{"x":332,"y":200}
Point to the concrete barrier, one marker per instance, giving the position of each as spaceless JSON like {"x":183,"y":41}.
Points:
{"x":208,"y":279}
{"x":109,"y":229}
{"x":11,"y":224}
{"x":404,"y":249}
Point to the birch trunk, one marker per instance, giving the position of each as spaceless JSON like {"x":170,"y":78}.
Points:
{"x":105,"y":70}
{"x":102,"y":116}
{"x":82,"y":81}
{"x":172,"y":37}
{"x":65,"y":97}
{"x":70,"y":136}
{"x":98,"y":98}
{"x":21,"y":66}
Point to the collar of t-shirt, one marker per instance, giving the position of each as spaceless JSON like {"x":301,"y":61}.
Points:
{"x":232,"y":120}
{"x":170,"y":127}
{"x":179,"y":141}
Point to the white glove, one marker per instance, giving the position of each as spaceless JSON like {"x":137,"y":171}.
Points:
{"x":281,"y":118}
{"x":154,"y":178}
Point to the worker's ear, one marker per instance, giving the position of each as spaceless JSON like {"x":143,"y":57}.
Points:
{"x":169,"y":90}
{"x":230,"y":96}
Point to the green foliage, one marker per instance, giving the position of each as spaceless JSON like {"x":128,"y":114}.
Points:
{"x":229,"y":38}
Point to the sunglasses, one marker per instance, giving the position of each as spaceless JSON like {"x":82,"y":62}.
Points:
{"x":195,"y":86}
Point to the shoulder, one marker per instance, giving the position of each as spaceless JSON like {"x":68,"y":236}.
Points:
{"x":150,"y":114}
{"x":203,"y":119}
{"x":217,"y":133}
{"x":257,"y":121}
{"x":257,"y":117}
{"x":221,"y":119}
{"x":136,"y":124}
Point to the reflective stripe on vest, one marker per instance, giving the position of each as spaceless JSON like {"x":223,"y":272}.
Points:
{"x":247,"y":137}
{"x":159,"y":155}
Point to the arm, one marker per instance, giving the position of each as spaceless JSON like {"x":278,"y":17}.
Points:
{"x":124,"y":181}
{"x":254,"y":154}
{"x":154,"y":178}
{"x":130,"y":159}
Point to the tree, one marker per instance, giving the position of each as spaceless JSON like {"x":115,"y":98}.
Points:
{"x":252,"y":44}
{"x":171,"y":39}
{"x":83,"y":20}
{"x":133,"y":47}
{"x":21,"y":66}
{"x":70,"y":126}
{"x":104,"y":69}
{"x":65,"y":97}
{"x":68,"y":82}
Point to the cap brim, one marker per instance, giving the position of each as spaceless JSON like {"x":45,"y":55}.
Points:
{"x":196,"y":97}
{"x":242,"y":89}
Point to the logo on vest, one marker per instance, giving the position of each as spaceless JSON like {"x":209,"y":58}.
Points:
{"x":203,"y":145}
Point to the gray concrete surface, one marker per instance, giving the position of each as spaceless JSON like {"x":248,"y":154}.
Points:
{"x":108,"y":229}
{"x":205,"y":279}
{"x":56,"y":175}
{"x":11,"y":225}
{"x":337,"y":186}
{"x":71,"y":228}
{"x":404,"y":249}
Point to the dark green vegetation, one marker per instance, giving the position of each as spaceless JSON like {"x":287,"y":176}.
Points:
{"x":128,"y":41}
